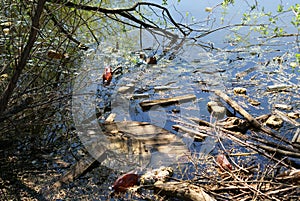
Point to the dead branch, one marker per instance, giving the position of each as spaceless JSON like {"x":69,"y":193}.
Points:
{"x":4,"y":98}
{"x":167,"y":101}
{"x":183,"y":190}
{"x":77,"y":169}
{"x":235,"y":136}
{"x":64,"y":31}
{"x":195,"y":133}
{"x":256,"y":124}
{"x":125,"y":12}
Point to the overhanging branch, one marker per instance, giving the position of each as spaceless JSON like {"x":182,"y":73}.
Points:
{"x":125,"y":12}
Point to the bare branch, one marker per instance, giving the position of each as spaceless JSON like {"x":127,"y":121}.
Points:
{"x":125,"y":12}
{"x":4,"y":98}
{"x":69,"y":36}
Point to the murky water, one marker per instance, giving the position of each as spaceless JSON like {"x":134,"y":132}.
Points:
{"x":188,"y":67}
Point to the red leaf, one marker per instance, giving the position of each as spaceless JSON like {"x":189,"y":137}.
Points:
{"x":107,"y":75}
{"x":125,"y":181}
{"x":223,"y":162}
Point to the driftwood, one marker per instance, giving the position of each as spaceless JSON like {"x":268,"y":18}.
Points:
{"x":136,"y":139}
{"x":253,"y":122}
{"x":77,"y":169}
{"x":244,"y":140}
{"x":162,"y":88}
{"x":278,"y":87}
{"x":238,"y":108}
{"x":167,"y":101}
{"x":286,"y":118}
{"x":217,"y":127}
{"x":182,"y":190}
{"x":192,"y":132}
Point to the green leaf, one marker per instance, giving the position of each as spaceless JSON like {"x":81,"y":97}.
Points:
{"x":297,"y":57}
{"x":279,"y":8}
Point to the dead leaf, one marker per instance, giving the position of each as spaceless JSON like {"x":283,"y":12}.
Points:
{"x":223,"y":162}
{"x":125,"y":181}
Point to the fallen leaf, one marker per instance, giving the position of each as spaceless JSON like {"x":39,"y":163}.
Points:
{"x":223,"y":162}
{"x":125,"y":181}
{"x":56,"y":55}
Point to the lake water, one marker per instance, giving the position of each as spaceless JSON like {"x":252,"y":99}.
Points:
{"x":211,"y":62}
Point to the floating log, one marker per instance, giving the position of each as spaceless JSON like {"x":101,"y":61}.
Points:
{"x":248,"y":116}
{"x":167,"y":101}
{"x":238,"y":108}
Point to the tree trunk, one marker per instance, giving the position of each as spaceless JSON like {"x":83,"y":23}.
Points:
{"x":4,"y":98}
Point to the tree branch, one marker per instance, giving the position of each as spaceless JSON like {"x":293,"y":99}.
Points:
{"x":63,"y":30}
{"x":4,"y":98}
{"x":124,"y":12}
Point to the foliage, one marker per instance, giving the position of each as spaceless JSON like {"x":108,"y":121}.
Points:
{"x":64,"y":29}
{"x":298,"y":58}
{"x":296,"y":20}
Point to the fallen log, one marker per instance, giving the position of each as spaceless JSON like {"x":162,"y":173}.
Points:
{"x":78,"y":169}
{"x":238,"y":108}
{"x":167,"y":101}
{"x":183,"y":191}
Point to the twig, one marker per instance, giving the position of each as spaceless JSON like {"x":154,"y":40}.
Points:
{"x":190,"y":131}
{"x":248,"y":116}
{"x":63,"y":30}
{"x":125,"y":12}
